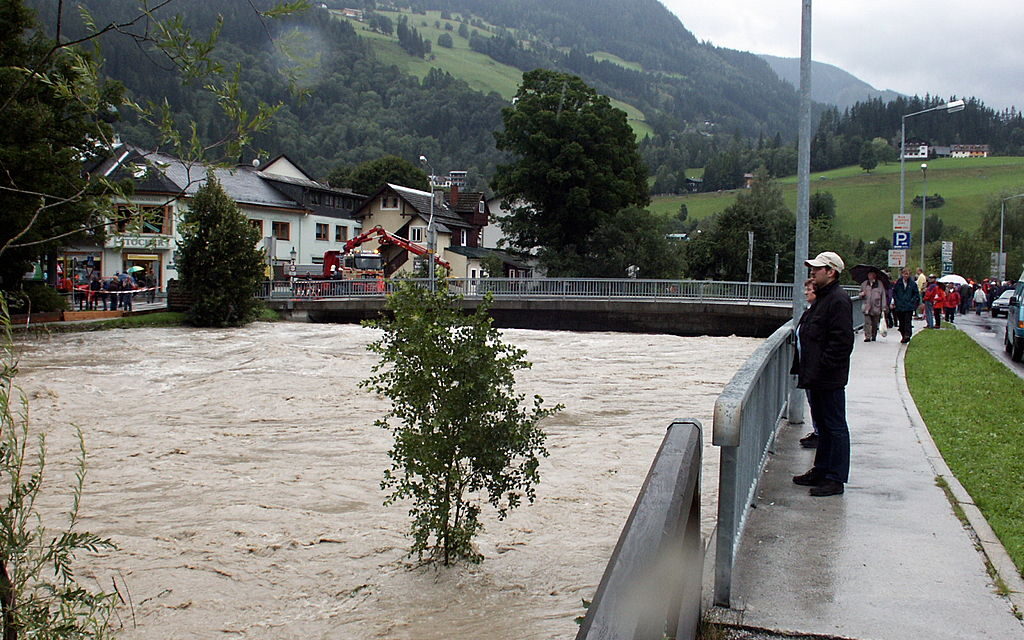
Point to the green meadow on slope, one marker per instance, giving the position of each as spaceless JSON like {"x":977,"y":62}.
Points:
{"x":865,"y":202}
{"x":481,"y":72}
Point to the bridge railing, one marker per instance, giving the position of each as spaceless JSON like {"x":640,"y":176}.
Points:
{"x":746,"y":417}
{"x":601,"y":288}
{"x":651,"y":587}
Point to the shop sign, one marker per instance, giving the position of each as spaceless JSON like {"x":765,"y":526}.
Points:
{"x":129,"y":242}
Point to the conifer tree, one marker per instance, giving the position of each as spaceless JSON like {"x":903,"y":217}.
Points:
{"x":218,"y":262}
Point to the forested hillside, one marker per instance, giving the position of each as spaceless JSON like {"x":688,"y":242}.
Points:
{"x":357,"y":108}
{"x":699,"y":105}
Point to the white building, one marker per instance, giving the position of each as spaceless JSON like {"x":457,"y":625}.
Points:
{"x":298,"y":217}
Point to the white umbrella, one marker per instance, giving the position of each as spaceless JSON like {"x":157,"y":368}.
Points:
{"x":955,"y":279}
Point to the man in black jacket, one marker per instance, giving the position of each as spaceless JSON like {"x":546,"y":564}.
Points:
{"x":824,"y":342}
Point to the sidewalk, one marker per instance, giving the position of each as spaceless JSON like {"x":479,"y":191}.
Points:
{"x":886,"y":560}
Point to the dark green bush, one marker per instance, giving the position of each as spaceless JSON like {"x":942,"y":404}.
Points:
{"x":36,"y":298}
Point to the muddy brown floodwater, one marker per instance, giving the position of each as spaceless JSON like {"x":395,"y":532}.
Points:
{"x":239,"y":473}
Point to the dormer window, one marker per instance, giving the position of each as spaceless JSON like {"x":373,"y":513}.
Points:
{"x":480,"y":206}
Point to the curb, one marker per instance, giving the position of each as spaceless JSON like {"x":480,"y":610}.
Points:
{"x":986,"y":539}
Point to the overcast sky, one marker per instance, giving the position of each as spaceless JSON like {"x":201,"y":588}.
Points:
{"x":943,"y":47}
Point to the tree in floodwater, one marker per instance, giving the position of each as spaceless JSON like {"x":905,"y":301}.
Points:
{"x":463,"y":436}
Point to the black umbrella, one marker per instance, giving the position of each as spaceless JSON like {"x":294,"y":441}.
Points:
{"x":860,"y":273}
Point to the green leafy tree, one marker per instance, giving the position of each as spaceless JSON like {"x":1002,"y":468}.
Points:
{"x":635,"y":237}
{"x":367,"y":177}
{"x":575,"y":166}
{"x":47,"y":130}
{"x":57,"y":109}
{"x":218,"y":261}
{"x":462,"y":435}
{"x":445,"y":40}
{"x":720,"y":252}
{"x":822,"y":206}
{"x":40,"y":597}
{"x":868,"y":156}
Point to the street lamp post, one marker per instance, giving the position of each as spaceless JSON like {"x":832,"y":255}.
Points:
{"x":431,"y":238}
{"x":924,"y":208}
{"x":1002,"y":216}
{"x":949,"y":107}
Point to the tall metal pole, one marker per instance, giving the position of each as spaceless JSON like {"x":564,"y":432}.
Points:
{"x":803,"y":194}
{"x":903,"y":153}
{"x":431,"y":237}
{"x":750,"y":262}
{"x":924,"y":208}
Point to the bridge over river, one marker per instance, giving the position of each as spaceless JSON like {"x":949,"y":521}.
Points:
{"x":676,"y":307}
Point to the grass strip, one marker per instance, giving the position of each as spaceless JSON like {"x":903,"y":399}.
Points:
{"x":974,"y":408}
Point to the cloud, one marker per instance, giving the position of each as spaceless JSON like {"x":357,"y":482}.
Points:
{"x":913,"y":46}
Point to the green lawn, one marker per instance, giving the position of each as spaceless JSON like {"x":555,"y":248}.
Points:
{"x":865,"y":202}
{"x":979,"y":428}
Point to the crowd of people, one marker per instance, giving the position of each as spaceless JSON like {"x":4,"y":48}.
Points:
{"x":922,"y":298}
{"x":103,"y":294}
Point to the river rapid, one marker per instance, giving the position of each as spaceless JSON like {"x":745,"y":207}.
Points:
{"x":239,"y":473}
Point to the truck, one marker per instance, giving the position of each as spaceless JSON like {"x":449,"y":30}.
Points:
{"x":364,"y":270}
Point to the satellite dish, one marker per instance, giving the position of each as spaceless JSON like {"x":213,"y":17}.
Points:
{"x":256,"y":162}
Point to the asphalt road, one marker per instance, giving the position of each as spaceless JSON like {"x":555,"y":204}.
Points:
{"x":988,"y":332}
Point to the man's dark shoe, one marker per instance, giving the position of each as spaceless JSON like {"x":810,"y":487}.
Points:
{"x":809,"y":479}
{"x":810,"y":441}
{"x":905,"y":340}
{"x":827,"y":488}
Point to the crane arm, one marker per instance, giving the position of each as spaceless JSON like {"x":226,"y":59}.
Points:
{"x":383,"y":238}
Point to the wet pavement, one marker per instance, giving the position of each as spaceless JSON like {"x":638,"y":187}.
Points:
{"x":888,"y":559}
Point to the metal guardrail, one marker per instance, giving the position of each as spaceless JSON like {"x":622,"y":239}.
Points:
{"x":651,"y":587}
{"x":746,"y":418}
{"x":602,"y":288}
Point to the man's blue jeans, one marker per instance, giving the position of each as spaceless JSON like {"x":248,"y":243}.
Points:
{"x":929,"y":314}
{"x":828,"y":411}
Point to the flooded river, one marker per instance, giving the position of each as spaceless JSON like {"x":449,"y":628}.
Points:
{"x":239,"y":473}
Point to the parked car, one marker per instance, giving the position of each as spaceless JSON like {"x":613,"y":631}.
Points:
{"x":1013,"y":336}
{"x":1001,"y":304}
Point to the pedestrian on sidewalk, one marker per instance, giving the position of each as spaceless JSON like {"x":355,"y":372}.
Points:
{"x":873,"y":295}
{"x":922,"y":285}
{"x":810,"y":441}
{"x":934,"y":302}
{"x":979,"y":300}
{"x":952,"y":302}
{"x":905,"y":298}
{"x":824,"y":342}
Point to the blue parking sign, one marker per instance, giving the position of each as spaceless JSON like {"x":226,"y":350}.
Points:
{"x":901,"y":240}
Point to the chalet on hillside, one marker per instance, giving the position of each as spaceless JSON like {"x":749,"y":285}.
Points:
{"x":969,"y":151}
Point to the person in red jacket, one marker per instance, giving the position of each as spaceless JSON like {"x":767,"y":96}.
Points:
{"x":952,"y":302}
{"x":934,"y":301}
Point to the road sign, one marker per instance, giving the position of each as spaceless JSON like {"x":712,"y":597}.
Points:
{"x":901,"y":222}
{"x":947,"y":251}
{"x":901,"y":240}
{"x":947,"y":268}
{"x":897,"y":257}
